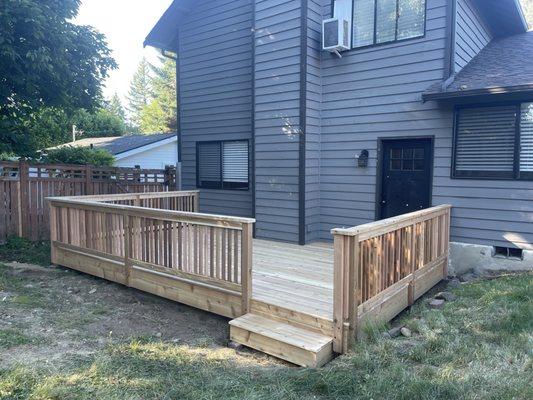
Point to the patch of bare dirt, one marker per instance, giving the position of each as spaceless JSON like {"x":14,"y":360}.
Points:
{"x":65,"y":314}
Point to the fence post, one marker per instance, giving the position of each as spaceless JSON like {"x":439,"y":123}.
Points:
{"x":246,"y":265}
{"x":345,"y":268}
{"x":89,"y":187}
{"x":24,"y":205}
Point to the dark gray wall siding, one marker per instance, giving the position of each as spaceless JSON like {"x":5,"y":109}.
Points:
{"x":471,"y":33}
{"x":313,"y":119}
{"x":277,"y":95}
{"x":216,"y":90}
{"x":370,"y":93}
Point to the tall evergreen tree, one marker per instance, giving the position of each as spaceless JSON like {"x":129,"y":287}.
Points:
{"x":164,"y":90}
{"x":115,"y":107}
{"x":140,"y":93}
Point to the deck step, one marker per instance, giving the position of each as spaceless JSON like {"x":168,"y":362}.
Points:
{"x":294,"y":344}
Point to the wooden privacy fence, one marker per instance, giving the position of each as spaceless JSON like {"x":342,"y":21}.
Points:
{"x":201,"y":260}
{"x":382,"y":267}
{"x":23,"y":188}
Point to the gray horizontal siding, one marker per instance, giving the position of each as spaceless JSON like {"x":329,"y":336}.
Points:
{"x":277,"y":86}
{"x":471,"y":34}
{"x":216,"y":90}
{"x":370,"y":93}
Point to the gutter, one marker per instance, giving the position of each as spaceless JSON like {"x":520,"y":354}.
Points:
{"x":478,"y":92}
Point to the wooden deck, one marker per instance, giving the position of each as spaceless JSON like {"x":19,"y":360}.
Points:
{"x":299,"y":303}
{"x":296,"y":277}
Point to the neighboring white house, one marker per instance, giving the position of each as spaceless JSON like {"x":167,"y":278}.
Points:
{"x":147,"y":151}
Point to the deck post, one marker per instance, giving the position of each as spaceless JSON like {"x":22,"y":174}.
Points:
{"x":127,"y":248}
{"x":196,"y":202}
{"x":53,"y":232}
{"x":246,"y":265}
{"x":345,"y":267}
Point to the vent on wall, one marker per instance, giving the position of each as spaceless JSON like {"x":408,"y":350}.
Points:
{"x":507,"y":252}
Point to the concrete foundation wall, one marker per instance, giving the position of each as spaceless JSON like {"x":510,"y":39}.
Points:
{"x":465,"y":257}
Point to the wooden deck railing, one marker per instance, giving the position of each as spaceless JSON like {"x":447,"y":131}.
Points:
{"x":382,"y":267}
{"x":151,"y":241}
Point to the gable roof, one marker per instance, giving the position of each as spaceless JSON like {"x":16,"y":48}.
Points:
{"x":504,"y":66}
{"x":505,"y":17}
{"x":119,"y":144}
{"x":165,"y":33}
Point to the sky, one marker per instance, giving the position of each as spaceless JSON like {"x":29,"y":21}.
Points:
{"x":125,"y":23}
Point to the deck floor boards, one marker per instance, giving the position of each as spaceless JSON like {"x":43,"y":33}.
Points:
{"x":296,"y":277}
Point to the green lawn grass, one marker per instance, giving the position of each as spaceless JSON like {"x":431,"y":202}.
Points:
{"x":478,"y":347}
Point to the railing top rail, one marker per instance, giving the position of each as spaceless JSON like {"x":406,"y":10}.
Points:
{"x":377,"y":228}
{"x":153,"y":213}
{"x":133,"y":196}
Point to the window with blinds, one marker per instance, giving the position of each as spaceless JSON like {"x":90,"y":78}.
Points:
{"x":494,"y":142}
{"x":526,"y":140}
{"x":386,"y":21}
{"x":222,"y":164}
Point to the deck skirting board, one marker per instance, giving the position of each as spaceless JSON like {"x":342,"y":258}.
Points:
{"x":195,"y":294}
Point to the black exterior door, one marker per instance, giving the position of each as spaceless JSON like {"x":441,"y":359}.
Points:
{"x":406,"y":176}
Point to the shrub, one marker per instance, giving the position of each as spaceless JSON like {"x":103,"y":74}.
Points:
{"x":80,"y":155}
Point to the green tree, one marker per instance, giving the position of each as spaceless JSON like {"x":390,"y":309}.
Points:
{"x":46,"y":61}
{"x":140,"y":93}
{"x":153,"y":118}
{"x":101,"y":122}
{"x":115,"y":107}
{"x":80,"y":156}
{"x":164,"y":90}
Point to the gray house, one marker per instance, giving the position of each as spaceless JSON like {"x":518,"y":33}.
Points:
{"x":431,"y":103}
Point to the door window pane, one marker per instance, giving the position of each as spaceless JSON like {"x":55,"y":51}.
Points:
{"x":363,"y":22}
{"x":386,"y":21}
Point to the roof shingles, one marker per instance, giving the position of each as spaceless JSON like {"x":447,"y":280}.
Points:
{"x":505,"y":65}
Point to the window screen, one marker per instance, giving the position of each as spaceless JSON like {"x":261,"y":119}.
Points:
{"x":363,"y":22}
{"x":385,"y":21}
{"x":209,"y":164}
{"x":526,"y":140}
{"x":485,"y":142}
{"x":410,"y":18}
{"x":222,"y":165}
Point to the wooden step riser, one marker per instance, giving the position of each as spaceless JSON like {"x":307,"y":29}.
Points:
{"x":291,"y":317}
{"x":287,"y":352}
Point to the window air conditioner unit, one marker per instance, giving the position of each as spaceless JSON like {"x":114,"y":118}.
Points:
{"x":336,"y":35}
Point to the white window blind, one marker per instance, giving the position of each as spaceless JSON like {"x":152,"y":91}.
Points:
{"x":363,"y":22}
{"x":235,"y":161}
{"x":485,"y":142}
{"x":526,"y":138}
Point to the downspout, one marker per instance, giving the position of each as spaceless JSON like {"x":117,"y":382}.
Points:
{"x":176,"y":58}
